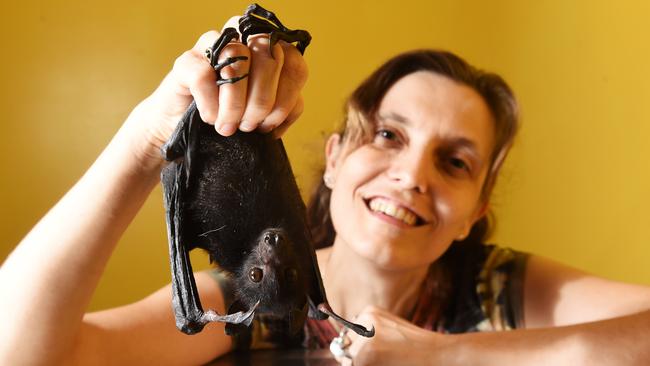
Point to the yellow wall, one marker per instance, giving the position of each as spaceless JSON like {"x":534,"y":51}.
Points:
{"x":576,"y":188}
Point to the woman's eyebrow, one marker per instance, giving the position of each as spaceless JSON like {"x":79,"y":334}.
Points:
{"x":463,"y":142}
{"x":393,"y":117}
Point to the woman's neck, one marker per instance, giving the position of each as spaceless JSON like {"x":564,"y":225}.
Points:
{"x":352,"y":282}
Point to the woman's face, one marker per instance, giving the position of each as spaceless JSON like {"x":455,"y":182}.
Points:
{"x":401,"y":199}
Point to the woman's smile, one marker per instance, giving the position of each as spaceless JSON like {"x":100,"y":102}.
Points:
{"x":385,"y":208}
{"x":393,"y":212}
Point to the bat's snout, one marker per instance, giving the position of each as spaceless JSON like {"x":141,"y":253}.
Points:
{"x":274,"y":237}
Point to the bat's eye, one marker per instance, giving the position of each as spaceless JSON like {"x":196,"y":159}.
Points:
{"x":256,"y":274}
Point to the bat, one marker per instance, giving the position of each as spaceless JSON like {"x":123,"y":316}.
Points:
{"x":236,"y":197}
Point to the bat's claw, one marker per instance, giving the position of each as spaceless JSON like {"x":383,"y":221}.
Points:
{"x":228,"y":61}
{"x":239,"y":317}
{"x":212,"y":54}
{"x":231,"y":80}
{"x":357,"y":328}
{"x":257,"y":20}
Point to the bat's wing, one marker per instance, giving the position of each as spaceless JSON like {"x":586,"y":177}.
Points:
{"x":185,"y":300}
{"x":319,"y":307}
{"x":182,"y":149}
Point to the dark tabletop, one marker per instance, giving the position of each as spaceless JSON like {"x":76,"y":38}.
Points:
{"x":321,"y":357}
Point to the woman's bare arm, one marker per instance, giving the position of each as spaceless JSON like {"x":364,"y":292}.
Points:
{"x":618,"y":341}
{"x":573,"y":318}
{"x":558,"y":295}
{"x":144,"y":333}
{"x":48,"y":280}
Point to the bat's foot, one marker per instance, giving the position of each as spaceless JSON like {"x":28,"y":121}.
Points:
{"x":226,"y":62}
{"x":257,"y":20}
{"x":239,"y":317}
{"x":193,"y":326}
{"x":212,"y":54}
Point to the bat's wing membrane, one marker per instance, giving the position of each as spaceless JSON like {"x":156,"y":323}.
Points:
{"x":181,"y":148}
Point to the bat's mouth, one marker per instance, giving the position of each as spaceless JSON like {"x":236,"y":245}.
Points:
{"x":393,"y":210}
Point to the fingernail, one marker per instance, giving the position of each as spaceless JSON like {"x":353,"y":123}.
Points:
{"x":247,"y":126}
{"x":265,"y":127}
{"x":227,"y":129}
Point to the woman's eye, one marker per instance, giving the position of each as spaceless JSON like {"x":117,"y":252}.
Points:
{"x":255,"y":274}
{"x":386,"y":134}
{"x":458,"y":163}
{"x":385,"y":137}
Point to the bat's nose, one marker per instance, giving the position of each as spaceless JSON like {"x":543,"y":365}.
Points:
{"x":272,"y":238}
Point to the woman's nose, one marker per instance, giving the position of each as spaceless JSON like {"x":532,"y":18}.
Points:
{"x":413,"y":171}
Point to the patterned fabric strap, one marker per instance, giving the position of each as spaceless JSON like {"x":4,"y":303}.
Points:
{"x":500,"y":290}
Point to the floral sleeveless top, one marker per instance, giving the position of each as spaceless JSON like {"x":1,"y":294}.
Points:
{"x":484,"y":293}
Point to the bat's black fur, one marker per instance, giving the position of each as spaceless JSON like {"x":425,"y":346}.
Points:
{"x":236,"y":197}
{"x":244,"y":208}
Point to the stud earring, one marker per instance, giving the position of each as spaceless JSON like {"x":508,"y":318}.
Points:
{"x":329,"y":181}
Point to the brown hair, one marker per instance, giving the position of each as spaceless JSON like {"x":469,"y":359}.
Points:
{"x":364,"y":102}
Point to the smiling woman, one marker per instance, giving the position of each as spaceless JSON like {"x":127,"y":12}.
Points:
{"x":437,"y":86}
{"x":412,"y":163}
{"x":404,"y":202}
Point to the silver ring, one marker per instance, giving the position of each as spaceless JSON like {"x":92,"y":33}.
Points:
{"x":340,"y":346}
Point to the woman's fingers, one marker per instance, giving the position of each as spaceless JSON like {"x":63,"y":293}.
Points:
{"x":291,"y":118}
{"x":268,"y":99}
{"x":288,"y":102}
{"x":196,"y":78}
{"x":265,"y":70}
{"x":232,"y":96}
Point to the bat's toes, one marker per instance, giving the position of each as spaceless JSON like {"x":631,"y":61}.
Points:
{"x":229,"y":61}
{"x":231,"y":80}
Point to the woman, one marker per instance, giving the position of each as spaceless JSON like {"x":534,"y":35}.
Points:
{"x":410,"y":177}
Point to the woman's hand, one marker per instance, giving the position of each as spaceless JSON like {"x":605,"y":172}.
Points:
{"x":269,"y":99}
{"x":396,"y":341}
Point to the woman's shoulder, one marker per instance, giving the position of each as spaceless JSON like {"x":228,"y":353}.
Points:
{"x":487,"y":282}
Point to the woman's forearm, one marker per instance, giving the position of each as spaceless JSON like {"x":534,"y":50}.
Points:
{"x":48,"y":280}
{"x":618,"y":341}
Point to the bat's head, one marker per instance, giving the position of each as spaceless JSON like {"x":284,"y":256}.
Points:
{"x":273,"y":275}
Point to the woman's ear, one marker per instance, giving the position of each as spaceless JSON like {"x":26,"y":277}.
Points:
{"x":478,"y":214}
{"x":332,"y":152}
{"x":482,"y":210}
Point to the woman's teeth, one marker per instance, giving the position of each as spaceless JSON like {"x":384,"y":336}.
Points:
{"x":389,"y":209}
